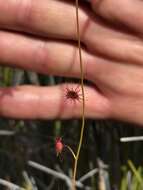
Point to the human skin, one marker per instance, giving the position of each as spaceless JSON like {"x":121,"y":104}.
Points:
{"x":41,"y":35}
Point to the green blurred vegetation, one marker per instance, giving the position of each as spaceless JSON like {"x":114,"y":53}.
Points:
{"x":34,"y":140}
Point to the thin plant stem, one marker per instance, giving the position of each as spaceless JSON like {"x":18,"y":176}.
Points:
{"x":83,"y":98}
{"x":72,"y":152}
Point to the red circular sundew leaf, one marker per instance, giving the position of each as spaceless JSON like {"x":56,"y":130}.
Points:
{"x":73,"y":94}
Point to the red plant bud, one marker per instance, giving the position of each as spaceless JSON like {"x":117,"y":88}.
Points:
{"x":59,"y":145}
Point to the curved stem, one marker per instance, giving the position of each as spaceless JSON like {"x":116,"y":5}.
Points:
{"x":72,"y":152}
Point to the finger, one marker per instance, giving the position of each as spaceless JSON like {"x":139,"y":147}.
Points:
{"x":47,"y":57}
{"x":30,"y":102}
{"x":110,"y":42}
{"x":57,"y":58}
{"x":128,"y":108}
{"x":47,"y":17}
{"x":116,"y":78}
{"x":125,"y":12}
{"x":122,"y":84}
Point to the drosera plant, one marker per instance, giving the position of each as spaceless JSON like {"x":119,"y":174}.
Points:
{"x":83,"y":98}
{"x":73,"y":94}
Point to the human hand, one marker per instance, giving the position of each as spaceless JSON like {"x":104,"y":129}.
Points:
{"x":112,"y":59}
